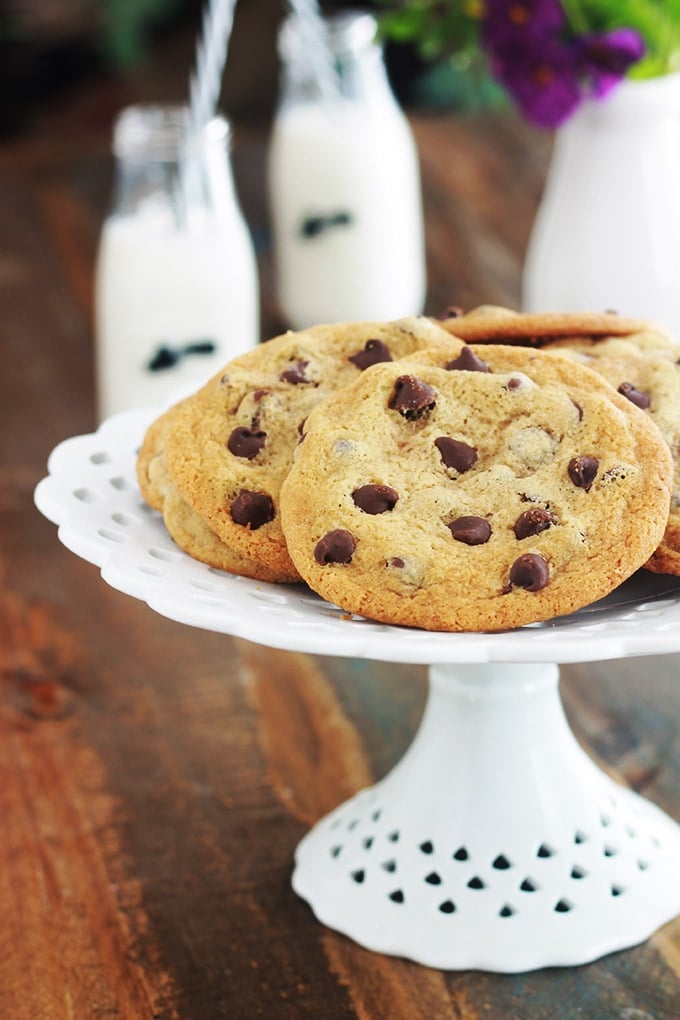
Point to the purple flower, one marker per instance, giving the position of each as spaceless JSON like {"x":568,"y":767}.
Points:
{"x":512,"y":21}
{"x":547,"y":69}
{"x":543,"y":83}
{"x":607,"y":57}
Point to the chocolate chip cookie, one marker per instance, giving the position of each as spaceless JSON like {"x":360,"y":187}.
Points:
{"x":231,"y":445}
{"x":151,"y":450}
{"x":498,"y":325}
{"x":185,"y":527}
{"x":193,"y":536}
{"x":481,"y":490}
{"x":644,"y":368}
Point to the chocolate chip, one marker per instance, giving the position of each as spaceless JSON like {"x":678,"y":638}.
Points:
{"x":471,"y":530}
{"x":513,"y":384}
{"x":582,"y":470}
{"x":246,"y":442}
{"x":335,"y":547}
{"x":295,"y":374}
{"x":530,"y":571}
{"x":259,"y":395}
{"x":579,"y":410}
{"x":375,"y":499}
{"x":252,"y":509}
{"x":532,"y":522}
{"x":636,"y":396}
{"x":396,"y":562}
{"x":374,"y":352}
{"x":467,"y":361}
{"x":456,"y":454}
{"x":412,"y":397}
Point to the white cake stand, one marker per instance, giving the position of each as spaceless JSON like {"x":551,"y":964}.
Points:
{"x":495,"y":843}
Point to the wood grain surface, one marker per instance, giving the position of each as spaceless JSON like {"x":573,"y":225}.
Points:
{"x":155,"y":779}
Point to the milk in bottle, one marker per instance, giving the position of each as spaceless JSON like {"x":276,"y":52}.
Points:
{"x":344,"y":185}
{"x":176,"y":281}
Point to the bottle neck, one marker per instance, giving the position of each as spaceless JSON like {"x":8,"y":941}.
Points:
{"x":346,"y":65}
{"x":362,"y":79}
{"x":164,"y":170}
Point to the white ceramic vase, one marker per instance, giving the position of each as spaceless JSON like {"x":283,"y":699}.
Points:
{"x":607,"y":231}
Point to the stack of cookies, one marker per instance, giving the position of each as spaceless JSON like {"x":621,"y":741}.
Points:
{"x":214,"y":464}
{"x":411,"y":477}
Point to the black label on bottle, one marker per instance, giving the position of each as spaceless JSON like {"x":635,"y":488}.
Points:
{"x":165,"y":357}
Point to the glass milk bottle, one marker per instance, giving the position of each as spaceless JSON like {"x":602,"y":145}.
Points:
{"x":344,"y":184}
{"x":176,"y":282}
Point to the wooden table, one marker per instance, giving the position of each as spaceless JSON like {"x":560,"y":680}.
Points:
{"x":155,"y":779}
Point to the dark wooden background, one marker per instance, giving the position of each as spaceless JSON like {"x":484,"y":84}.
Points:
{"x":155,"y":779}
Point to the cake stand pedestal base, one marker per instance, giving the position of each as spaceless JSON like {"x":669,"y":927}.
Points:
{"x":495,"y":843}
